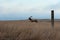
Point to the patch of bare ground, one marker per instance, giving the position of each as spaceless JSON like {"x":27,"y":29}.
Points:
{"x":26,"y":30}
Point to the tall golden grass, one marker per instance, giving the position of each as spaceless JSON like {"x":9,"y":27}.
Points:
{"x":25,"y":30}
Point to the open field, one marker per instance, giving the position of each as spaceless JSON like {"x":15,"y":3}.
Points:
{"x":26,"y":30}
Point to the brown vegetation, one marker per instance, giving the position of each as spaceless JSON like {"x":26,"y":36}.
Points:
{"x":25,"y":30}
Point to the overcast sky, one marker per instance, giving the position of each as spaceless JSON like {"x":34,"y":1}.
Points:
{"x":22,"y":9}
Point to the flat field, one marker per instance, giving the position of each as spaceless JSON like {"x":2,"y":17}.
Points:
{"x":26,"y":30}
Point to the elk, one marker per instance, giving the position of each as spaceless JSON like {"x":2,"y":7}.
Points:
{"x":32,"y":20}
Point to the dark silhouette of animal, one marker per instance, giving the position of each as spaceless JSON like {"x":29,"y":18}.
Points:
{"x":32,"y":20}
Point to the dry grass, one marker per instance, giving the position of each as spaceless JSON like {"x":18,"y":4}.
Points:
{"x":25,"y":30}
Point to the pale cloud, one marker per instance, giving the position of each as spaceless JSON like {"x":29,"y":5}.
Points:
{"x":7,"y":6}
{"x":55,"y":7}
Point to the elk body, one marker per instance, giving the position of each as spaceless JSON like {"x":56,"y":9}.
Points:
{"x":32,"y":20}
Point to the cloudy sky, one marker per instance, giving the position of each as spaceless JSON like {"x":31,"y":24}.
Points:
{"x":22,"y":9}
